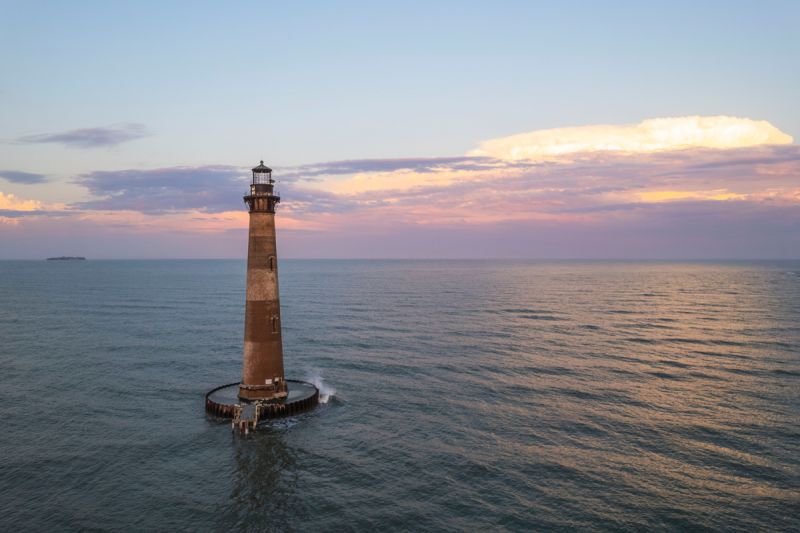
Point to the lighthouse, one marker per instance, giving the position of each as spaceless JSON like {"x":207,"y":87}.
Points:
{"x":262,"y":366}
{"x":263,"y":392}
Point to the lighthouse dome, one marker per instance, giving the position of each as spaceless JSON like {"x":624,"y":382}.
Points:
{"x":262,"y":167}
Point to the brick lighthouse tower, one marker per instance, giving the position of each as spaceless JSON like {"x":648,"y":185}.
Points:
{"x":263,"y":393}
{"x":262,"y":369}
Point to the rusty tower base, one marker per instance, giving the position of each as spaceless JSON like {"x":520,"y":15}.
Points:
{"x":224,"y":402}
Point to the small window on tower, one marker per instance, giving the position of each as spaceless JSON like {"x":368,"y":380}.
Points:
{"x":274,"y":324}
{"x":272,"y":263}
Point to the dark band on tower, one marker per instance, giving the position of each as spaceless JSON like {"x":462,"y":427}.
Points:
{"x":262,"y":373}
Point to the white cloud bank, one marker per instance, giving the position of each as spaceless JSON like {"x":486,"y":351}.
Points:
{"x":652,"y":135}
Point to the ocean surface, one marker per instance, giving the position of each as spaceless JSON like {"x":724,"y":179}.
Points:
{"x":463,"y":396}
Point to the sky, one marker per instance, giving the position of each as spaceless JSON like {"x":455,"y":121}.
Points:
{"x":596,"y":130}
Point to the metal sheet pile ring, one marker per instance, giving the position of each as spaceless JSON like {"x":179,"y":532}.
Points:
{"x":267,"y":410}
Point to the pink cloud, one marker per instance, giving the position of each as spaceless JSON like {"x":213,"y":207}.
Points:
{"x":695,"y":202}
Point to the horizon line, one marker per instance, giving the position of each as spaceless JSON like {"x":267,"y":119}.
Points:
{"x":687,"y":259}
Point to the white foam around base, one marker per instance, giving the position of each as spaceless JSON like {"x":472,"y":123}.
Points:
{"x":326,"y":392}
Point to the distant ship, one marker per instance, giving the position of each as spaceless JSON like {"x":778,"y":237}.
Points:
{"x":66,"y":258}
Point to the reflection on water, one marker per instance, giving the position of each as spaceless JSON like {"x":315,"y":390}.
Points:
{"x":264,"y":483}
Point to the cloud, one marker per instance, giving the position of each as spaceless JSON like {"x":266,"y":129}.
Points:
{"x":9,"y":202}
{"x":91,"y":137}
{"x":671,"y":196}
{"x":590,"y":189}
{"x":213,"y":188}
{"x":464,"y":189}
{"x":421,"y":165}
{"x":652,"y":135}
{"x":16,"y":176}
{"x":204,"y":189}
{"x":591,"y":186}
{"x":691,"y":202}
{"x":13,"y":210}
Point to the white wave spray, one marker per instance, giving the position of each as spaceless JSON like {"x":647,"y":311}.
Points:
{"x":326,"y":392}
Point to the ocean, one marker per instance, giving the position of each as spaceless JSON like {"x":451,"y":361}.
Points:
{"x":461,"y":396}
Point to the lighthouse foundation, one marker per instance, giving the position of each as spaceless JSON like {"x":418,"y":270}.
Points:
{"x":225,"y":403}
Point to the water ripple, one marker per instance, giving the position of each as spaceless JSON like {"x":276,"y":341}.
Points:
{"x":470,"y":395}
